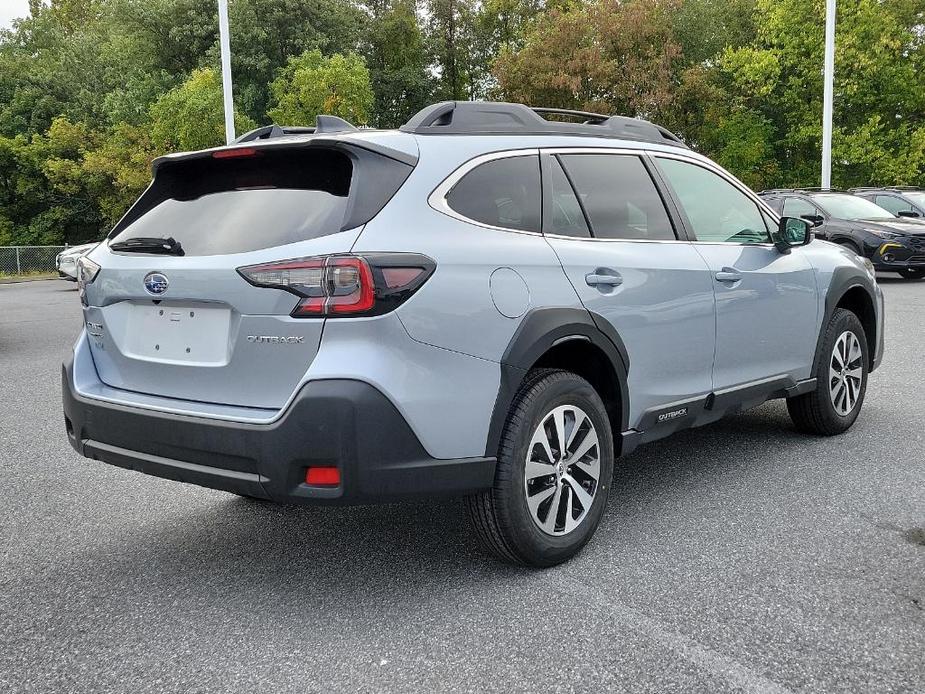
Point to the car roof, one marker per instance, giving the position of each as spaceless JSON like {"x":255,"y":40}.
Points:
{"x":468,"y":128}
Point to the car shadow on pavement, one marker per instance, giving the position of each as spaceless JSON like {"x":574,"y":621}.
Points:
{"x":248,"y":549}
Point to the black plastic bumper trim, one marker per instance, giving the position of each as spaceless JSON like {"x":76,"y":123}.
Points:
{"x":344,"y":423}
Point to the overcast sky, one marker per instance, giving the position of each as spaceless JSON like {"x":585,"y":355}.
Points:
{"x":11,"y":9}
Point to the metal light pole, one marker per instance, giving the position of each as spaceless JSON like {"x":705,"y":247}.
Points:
{"x":225,"y":44}
{"x":828,"y":77}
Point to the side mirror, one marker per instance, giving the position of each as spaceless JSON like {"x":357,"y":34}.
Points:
{"x":792,"y":232}
{"x":908,"y":213}
{"x":815,"y":219}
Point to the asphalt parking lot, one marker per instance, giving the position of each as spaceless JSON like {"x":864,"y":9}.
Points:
{"x":739,"y":557}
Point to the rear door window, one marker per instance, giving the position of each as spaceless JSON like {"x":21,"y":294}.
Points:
{"x":501,"y":193}
{"x":240,"y":204}
{"x":619,"y":197}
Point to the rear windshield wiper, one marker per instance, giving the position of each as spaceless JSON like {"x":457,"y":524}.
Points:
{"x":149,"y":244}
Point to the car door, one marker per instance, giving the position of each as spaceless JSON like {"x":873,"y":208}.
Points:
{"x":766,"y":322}
{"x":620,"y":250}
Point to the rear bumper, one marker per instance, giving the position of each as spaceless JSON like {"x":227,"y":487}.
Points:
{"x":344,"y":423}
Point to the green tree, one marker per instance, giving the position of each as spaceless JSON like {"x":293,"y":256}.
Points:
{"x":450,"y":46}
{"x":192,"y":116}
{"x":611,"y":56}
{"x":313,"y":84}
{"x":265,"y":34}
{"x":397,"y":66}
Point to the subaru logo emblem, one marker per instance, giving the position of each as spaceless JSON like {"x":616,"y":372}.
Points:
{"x":156,"y":283}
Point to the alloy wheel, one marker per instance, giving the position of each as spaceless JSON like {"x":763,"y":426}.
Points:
{"x":846,"y":373}
{"x":562,"y":471}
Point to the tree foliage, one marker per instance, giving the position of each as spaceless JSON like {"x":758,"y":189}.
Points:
{"x":312,"y":83}
{"x":92,"y":90}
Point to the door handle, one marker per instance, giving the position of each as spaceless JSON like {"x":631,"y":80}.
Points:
{"x":599,"y":278}
{"x":727,"y":274}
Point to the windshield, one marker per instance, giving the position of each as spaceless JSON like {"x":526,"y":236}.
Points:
{"x":844,"y":206}
{"x":918,"y":197}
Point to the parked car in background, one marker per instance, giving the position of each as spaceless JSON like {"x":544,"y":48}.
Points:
{"x":66,"y":260}
{"x":904,"y":201}
{"x":482,"y":303}
{"x":892,"y":243}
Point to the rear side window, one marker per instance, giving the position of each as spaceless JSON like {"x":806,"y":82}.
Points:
{"x":501,"y":193}
{"x":239,"y":204}
{"x":619,"y":197}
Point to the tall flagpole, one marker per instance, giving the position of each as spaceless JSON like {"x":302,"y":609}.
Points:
{"x":226,"y":69}
{"x":828,"y":77}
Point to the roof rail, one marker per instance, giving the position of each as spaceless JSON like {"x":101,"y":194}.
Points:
{"x":777,"y":191}
{"x":323,"y":124}
{"x":500,"y":118}
{"x":898,"y":189}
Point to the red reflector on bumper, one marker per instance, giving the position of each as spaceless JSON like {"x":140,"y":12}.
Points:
{"x":323,"y":476}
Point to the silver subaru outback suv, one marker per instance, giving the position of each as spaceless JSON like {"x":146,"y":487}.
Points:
{"x":491,"y":302}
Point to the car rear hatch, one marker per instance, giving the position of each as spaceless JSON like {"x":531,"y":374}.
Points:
{"x":169,"y":314}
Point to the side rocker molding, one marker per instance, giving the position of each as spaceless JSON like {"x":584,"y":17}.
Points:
{"x":540,"y":330}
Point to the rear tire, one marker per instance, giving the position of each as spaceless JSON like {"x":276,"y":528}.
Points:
{"x":841,"y":379}
{"x":912,"y":274}
{"x":541,"y":512}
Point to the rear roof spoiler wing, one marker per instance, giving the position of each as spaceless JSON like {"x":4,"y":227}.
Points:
{"x":290,"y":140}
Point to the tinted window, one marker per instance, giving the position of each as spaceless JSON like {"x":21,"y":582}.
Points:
{"x":561,"y":212}
{"x":217,"y":206}
{"x":619,"y":197}
{"x":716,"y":209}
{"x":893,"y":204}
{"x":501,"y":193}
{"x":795,"y":207}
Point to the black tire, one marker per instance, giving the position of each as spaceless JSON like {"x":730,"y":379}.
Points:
{"x":912,"y":274}
{"x":815,"y":412}
{"x":501,"y":518}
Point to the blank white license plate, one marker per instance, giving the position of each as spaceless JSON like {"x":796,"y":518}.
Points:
{"x":179,"y":334}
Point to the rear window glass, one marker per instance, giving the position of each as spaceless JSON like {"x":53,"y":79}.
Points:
{"x":218,"y":206}
{"x":501,"y":193}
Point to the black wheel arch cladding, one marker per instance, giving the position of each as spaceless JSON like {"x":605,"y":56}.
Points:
{"x":540,"y":331}
{"x":845,"y":280}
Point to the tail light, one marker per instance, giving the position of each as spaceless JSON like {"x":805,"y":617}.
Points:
{"x":344,"y":285}
{"x":87,"y":271}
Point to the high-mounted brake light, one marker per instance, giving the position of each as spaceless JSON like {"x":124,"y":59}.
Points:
{"x":344,"y":285}
{"x":234,"y":153}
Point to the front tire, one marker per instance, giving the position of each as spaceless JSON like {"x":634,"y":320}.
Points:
{"x":555,"y":464}
{"x":841,"y":379}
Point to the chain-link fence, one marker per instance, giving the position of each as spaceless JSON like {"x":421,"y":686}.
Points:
{"x":28,"y":260}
